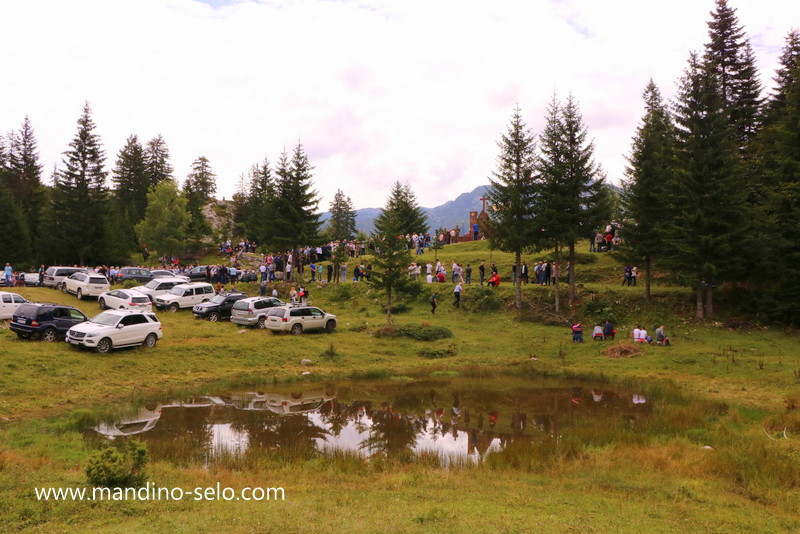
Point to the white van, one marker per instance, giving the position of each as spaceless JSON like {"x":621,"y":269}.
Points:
{"x":185,"y":296}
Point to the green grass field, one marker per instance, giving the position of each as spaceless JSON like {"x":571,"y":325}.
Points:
{"x":746,"y":482}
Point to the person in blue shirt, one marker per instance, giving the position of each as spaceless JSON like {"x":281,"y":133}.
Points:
{"x":8,"y":271}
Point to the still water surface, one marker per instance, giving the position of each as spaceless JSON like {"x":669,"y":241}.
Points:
{"x":456,"y":419}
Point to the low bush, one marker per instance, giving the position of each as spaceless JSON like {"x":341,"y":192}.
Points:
{"x":120,"y":466}
{"x":417,"y":332}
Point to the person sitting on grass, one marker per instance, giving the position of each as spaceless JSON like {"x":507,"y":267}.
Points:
{"x":608,"y":330}
{"x":661,"y":336}
{"x":597,"y":333}
{"x":577,"y":333}
{"x":494,"y":281}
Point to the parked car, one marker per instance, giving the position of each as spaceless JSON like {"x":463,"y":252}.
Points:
{"x":159,"y":286}
{"x":184,"y":296}
{"x":197,"y":274}
{"x":53,"y":276}
{"x":9,"y":302}
{"x":47,"y":322}
{"x":115,"y":329}
{"x":219,"y":307}
{"x":30,"y":279}
{"x":125,"y":299}
{"x":85,"y":284}
{"x":253,"y":311}
{"x":298,"y":319}
{"x":140,"y":274}
{"x":163,"y":273}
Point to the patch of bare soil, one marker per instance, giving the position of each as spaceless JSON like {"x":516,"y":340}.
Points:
{"x":623,"y":350}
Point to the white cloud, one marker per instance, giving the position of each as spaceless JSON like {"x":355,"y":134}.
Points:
{"x":377,"y":91}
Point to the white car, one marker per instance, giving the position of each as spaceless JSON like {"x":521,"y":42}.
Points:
{"x":159,"y":286}
{"x":84,"y":284}
{"x":125,"y":299}
{"x":9,"y":302}
{"x":185,"y":296}
{"x":115,"y":329}
{"x":298,"y":319}
{"x":163,"y":273}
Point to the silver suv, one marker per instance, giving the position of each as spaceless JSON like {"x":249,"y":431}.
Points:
{"x":253,"y":311}
{"x":298,"y":319}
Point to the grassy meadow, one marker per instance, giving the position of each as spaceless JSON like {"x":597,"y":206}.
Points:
{"x":731,"y":464}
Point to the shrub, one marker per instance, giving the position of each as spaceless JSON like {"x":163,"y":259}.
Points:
{"x":483,"y":299}
{"x":120,"y":466}
{"x":128,"y":284}
{"x":435,"y":354}
{"x":417,"y":332}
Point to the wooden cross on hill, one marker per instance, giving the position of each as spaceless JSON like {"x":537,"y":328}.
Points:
{"x":483,"y":200}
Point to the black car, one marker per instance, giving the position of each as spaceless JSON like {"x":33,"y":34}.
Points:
{"x":139,"y":274}
{"x":197,"y":274}
{"x":218,"y":307}
{"x":48,"y":322}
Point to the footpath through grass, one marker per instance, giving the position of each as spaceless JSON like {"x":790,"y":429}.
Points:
{"x":746,"y":482}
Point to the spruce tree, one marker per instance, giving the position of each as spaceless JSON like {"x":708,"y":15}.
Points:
{"x":260,"y":203}
{"x":295,"y":219}
{"x":157,"y":163}
{"x":729,"y":57}
{"x":199,"y":189}
{"x":785,"y":76}
{"x":342,"y":224}
{"x":511,"y":195}
{"x":26,"y":173}
{"x":402,"y":208}
{"x":391,"y":259}
{"x":80,"y":205}
{"x":652,"y":165}
{"x":572,"y":195}
{"x":131,"y":181}
{"x":705,"y":233}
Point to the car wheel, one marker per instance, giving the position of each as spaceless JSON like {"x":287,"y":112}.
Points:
{"x":213,"y":317}
{"x":297,"y":329}
{"x":104,"y":345}
{"x":79,"y":294}
{"x":49,"y":334}
{"x":330,"y":326}
{"x":150,"y":340}
{"x":63,"y":288}
{"x":173,"y":307}
{"x":262,"y":322}
{"x":102,"y":303}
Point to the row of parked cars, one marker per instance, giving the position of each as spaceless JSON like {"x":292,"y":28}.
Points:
{"x":128,"y":318}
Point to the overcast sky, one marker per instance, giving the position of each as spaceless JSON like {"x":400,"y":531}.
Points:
{"x":376,"y":90}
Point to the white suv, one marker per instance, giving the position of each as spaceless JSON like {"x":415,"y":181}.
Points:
{"x":116,"y":328}
{"x":160,"y":286}
{"x":85,"y":285}
{"x":298,"y":319}
{"x":185,"y":296}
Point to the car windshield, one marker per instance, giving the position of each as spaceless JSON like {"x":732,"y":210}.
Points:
{"x":140,"y":300}
{"x":152,"y":284}
{"x":106,"y":318}
{"x":218,"y":299}
{"x":98,"y":280}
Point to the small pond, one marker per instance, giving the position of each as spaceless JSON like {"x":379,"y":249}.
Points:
{"x":457,"y":419}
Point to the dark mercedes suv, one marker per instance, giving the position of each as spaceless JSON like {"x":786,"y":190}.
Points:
{"x":48,"y":322}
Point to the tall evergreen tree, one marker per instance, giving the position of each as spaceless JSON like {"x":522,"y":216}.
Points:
{"x":199,"y":189}
{"x":260,"y":203}
{"x":786,"y":74}
{"x":729,"y":57}
{"x":80,"y":205}
{"x":706,"y":230}
{"x":512,"y":194}
{"x":573,"y":198}
{"x":26,"y":174}
{"x":342,"y":224}
{"x":130,"y":179}
{"x":652,"y":165}
{"x":402,"y":208}
{"x":157,"y":163}
{"x":391,"y":258}
{"x":295,"y":220}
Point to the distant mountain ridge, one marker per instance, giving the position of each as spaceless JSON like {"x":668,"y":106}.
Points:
{"x":448,"y":215}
